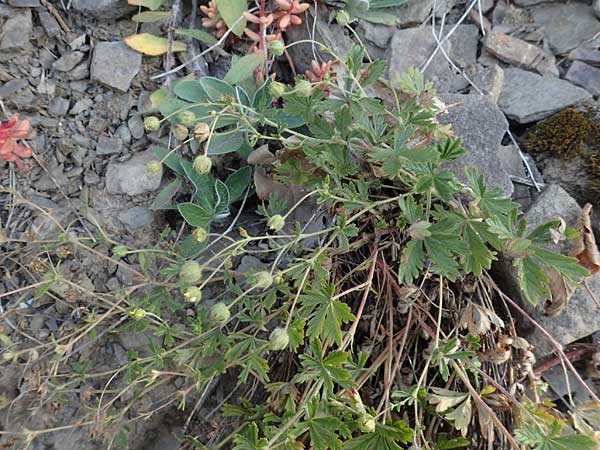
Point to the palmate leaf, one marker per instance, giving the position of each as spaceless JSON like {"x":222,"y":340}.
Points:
{"x":323,"y":434}
{"x":492,"y":201}
{"x":535,"y":437}
{"x":385,"y":437}
{"x":478,"y":255}
{"x":330,"y":369}
{"x":249,"y":440}
{"x":411,"y":262}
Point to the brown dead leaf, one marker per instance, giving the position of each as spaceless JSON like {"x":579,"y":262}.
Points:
{"x":584,"y":247}
{"x":561,"y":289}
{"x":261,"y":156}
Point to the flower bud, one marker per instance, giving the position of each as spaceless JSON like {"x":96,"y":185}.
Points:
{"x":151,"y":123}
{"x":200,"y":234}
{"x":180,"y":132}
{"x":186,"y":118}
{"x":276,"y":222}
{"x":276,"y":89}
{"x":366,"y":423}
{"x":137,"y":313}
{"x":193,"y":294}
{"x":262,"y":280}
{"x":8,"y":355}
{"x":120,"y":251}
{"x":190,"y":272}
{"x":277,"y":47}
{"x":153,"y":167}
{"x":201,"y":132}
{"x":279,"y":339}
{"x":342,"y":17}
{"x":202,"y":164}
{"x":303,"y":88}
{"x":220,"y":313}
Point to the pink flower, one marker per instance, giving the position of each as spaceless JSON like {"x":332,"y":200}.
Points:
{"x":10,"y":132}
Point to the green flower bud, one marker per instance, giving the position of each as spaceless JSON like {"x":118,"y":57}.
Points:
{"x":366,"y":423}
{"x":200,"y":234}
{"x":151,"y":123}
{"x":220,"y":313}
{"x":137,"y":313}
{"x":186,"y":118}
{"x":193,"y":294}
{"x":279,"y":339}
{"x":277,"y":47}
{"x":276,"y":222}
{"x":263,"y":280}
{"x":180,"y":132}
{"x":9,"y":355}
{"x":190,"y":272}
{"x":342,"y":17}
{"x":202,"y":164}
{"x":120,"y":251}
{"x":276,"y":89}
{"x":153,"y":167}
{"x":303,"y":88}
{"x":201,"y":132}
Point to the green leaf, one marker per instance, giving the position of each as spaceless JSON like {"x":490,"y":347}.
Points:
{"x":165,"y":197}
{"x":323,"y":434}
{"x":328,"y":368}
{"x":492,"y":201}
{"x":443,"y":443}
{"x":217,"y":90}
{"x":191,"y":90}
{"x":199,"y":35}
{"x":244,"y":67}
{"x":151,"y":16}
{"x":373,"y":72}
{"x":226,"y":142}
{"x":150,"y":4}
{"x":567,"y":266}
{"x":534,"y":436}
{"x":385,"y":437}
{"x":249,"y":440}
{"x":411,"y":262}
{"x":152,"y":45}
{"x":379,"y":17}
{"x":387,"y":3}
{"x":231,"y":11}
{"x":170,"y":159}
{"x":238,"y":182}
{"x":203,"y":186}
{"x":532,"y":280}
{"x":194,"y":215}
{"x":190,"y":247}
{"x":478,"y":256}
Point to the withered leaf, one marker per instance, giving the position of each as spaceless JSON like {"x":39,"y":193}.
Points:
{"x":561,"y":289}
{"x":584,"y":247}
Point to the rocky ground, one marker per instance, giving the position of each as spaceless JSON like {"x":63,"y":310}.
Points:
{"x":502,"y":66}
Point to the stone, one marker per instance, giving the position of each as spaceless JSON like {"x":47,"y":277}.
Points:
{"x":589,"y":52}
{"x":81,"y":105}
{"x":584,"y":75}
{"x":249,"y":264}
{"x":566,"y":25}
{"x":580,"y":318}
{"x":13,"y":86}
{"x":519,"y":53}
{"x":102,"y":9}
{"x":98,"y":124}
{"x":511,"y":161}
{"x":377,"y":34}
{"x":464,"y":42}
{"x":49,"y":23}
{"x":25,"y":3}
{"x":571,"y":174}
{"x":16,"y":31}
{"x":5,"y":11}
{"x":136,"y":126}
{"x":412,"y":48}
{"x":412,"y":13}
{"x":114,"y":65}
{"x":68,"y":61}
{"x":489,"y":80}
{"x":131,"y":177}
{"x":136,"y":217}
{"x":58,"y":107}
{"x":109,"y":146}
{"x":481,"y":125}
{"x":123,"y":132}
{"x":596,"y":7}
{"x":529,"y":2}
{"x":331,"y":34}
{"x":555,"y":377}
{"x":527,"y":97}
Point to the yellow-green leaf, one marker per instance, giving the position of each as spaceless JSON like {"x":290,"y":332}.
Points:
{"x":198,"y":34}
{"x":150,"y":4}
{"x":231,"y":11}
{"x":151,"y":16}
{"x":244,"y":67}
{"x":152,"y":45}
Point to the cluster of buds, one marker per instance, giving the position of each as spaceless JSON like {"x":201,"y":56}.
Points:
{"x":288,"y":14}
{"x":213,"y":19}
{"x":318,"y":73}
{"x":10,"y":133}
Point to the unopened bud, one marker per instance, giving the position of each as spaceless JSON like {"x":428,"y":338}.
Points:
{"x":137,"y":313}
{"x":180,"y":132}
{"x":263,"y":280}
{"x":120,"y":251}
{"x":303,"y":88}
{"x":202,"y":164}
{"x":193,"y":294}
{"x":342,"y":17}
{"x":190,"y":272}
{"x":366,"y":423}
{"x":220,"y":313}
{"x":200,"y":234}
{"x":276,"y":222}
{"x":201,"y":132}
{"x":276,"y":89}
{"x":151,"y":123}
{"x":279,"y":339}
{"x":277,"y":47}
{"x":186,"y":118}
{"x":153,"y":167}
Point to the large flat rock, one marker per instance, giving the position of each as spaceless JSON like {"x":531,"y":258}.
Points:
{"x":132,"y":177}
{"x":527,"y":97}
{"x":114,"y":65}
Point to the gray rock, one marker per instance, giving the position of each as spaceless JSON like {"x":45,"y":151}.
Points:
{"x":571,"y":174}
{"x":132,"y":177}
{"x":555,"y":377}
{"x":527,"y":97}
{"x":16,"y":31}
{"x":136,"y":126}
{"x":138,"y":340}
{"x":464,"y":42}
{"x":566,"y":26}
{"x":520,"y":53}
{"x":58,"y":107}
{"x":248,"y":264}
{"x":580,"y":318}
{"x":109,"y":146}
{"x":588,"y":52}
{"x":102,"y":9}
{"x":81,"y":105}
{"x":25,"y":3}
{"x":412,"y":13}
{"x":136,"y":217}
{"x":98,"y":124}
{"x":13,"y":86}
{"x":596,"y":7}
{"x":511,"y":160}
{"x":489,"y":80}
{"x":377,"y":34}
{"x":5,"y":11}
{"x":481,"y":125}
{"x":529,"y":2}
{"x":68,"y":61}
{"x":49,"y":23}
{"x":123,"y":132}
{"x":412,"y":48}
{"x":114,"y":64}
{"x":331,"y":34}
{"x":586,"y":76}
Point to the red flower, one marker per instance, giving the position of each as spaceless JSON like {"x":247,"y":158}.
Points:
{"x":10,"y":150}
